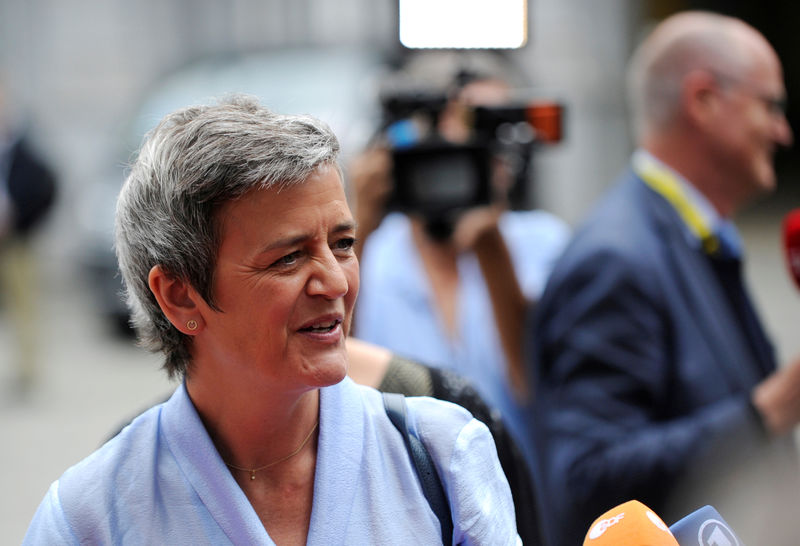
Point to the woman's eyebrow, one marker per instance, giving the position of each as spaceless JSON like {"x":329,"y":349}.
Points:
{"x":292,"y":240}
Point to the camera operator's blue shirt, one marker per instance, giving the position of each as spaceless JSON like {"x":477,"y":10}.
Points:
{"x":396,"y":308}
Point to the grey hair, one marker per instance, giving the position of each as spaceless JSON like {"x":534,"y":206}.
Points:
{"x":682,"y":43}
{"x":195,"y":160}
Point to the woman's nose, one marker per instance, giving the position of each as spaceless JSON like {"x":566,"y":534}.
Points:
{"x":328,"y":278}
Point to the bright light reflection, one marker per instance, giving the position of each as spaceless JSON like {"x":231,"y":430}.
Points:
{"x":496,"y":24}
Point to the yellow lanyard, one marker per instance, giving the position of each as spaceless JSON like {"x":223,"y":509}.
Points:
{"x":663,"y":182}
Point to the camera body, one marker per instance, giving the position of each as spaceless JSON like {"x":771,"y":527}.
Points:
{"x":440,"y":179}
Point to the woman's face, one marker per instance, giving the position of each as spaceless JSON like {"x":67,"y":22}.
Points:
{"x":285,"y":284}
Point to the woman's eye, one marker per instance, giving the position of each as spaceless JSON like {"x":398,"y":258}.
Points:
{"x":345,"y":244}
{"x":289,"y":259}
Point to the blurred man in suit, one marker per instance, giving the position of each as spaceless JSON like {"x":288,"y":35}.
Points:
{"x":27,"y":193}
{"x":655,"y":379}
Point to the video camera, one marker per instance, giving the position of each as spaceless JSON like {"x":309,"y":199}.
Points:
{"x":439,"y":179}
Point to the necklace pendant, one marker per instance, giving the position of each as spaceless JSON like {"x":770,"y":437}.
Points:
{"x":252,"y":475}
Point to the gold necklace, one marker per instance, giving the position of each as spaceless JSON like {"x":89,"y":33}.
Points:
{"x":253,"y":471}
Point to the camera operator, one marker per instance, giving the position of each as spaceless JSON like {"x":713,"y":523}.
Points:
{"x":448,"y":289}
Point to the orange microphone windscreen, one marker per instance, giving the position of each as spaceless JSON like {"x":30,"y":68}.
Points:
{"x":629,"y":524}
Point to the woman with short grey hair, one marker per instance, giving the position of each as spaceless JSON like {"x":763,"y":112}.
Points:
{"x":183,"y":172}
{"x":235,"y":242}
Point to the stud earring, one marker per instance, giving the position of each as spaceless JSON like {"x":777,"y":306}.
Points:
{"x":192,"y":324}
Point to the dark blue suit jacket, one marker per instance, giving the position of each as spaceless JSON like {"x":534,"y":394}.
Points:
{"x":643,"y":372}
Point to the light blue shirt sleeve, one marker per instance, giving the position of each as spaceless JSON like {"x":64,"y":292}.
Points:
{"x":478,"y":491}
{"x":49,"y":525}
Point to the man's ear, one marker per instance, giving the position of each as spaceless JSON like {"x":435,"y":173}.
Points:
{"x":177,"y":299}
{"x":700,"y":95}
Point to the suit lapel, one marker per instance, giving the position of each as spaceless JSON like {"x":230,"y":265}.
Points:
{"x":707,"y":300}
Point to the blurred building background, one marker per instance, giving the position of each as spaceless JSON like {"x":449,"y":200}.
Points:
{"x":83,"y":74}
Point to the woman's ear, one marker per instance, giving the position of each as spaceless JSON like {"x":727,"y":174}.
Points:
{"x":177,"y":300}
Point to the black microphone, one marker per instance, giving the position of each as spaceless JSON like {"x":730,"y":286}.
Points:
{"x":704,"y":527}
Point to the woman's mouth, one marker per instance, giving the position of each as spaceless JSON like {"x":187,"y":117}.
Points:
{"x":322,"y":327}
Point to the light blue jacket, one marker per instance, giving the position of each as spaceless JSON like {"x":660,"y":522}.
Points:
{"x":161,"y":481}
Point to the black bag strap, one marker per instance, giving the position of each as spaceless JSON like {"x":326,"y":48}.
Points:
{"x":395,"y":405}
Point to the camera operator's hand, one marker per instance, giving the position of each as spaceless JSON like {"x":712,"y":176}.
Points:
{"x":370,"y":180}
{"x":475,"y":224}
